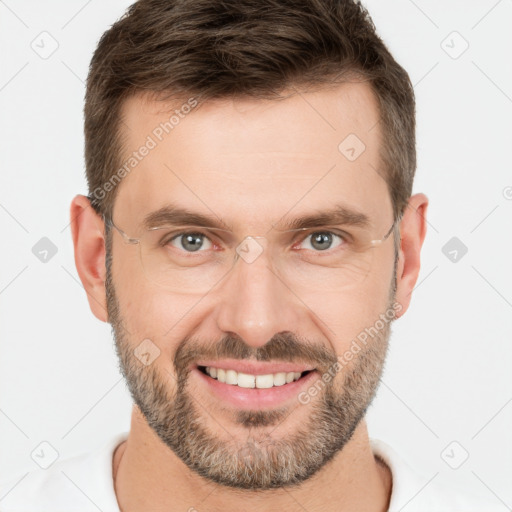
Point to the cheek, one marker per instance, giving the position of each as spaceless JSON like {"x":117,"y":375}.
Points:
{"x":346,"y":314}
{"x":147,"y":310}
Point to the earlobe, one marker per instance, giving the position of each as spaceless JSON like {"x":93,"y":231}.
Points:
{"x":413,"y":229}
{"x":89,"y":248}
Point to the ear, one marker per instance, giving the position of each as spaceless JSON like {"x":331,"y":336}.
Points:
{"x":413,"y":228}
{"x":87,"y":229}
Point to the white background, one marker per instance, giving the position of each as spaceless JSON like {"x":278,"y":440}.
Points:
{"x":448,"y":374}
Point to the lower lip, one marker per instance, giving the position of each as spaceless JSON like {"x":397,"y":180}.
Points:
{"x":254,"y":398}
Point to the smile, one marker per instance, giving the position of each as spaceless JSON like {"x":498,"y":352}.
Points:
{"x":246,"y":380}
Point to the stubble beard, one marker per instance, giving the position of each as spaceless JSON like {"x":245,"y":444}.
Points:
{"x":261,"y":461}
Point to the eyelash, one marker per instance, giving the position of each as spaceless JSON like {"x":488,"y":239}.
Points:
{"x":344,"y":237}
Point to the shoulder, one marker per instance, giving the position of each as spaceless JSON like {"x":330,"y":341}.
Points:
{"x":81,"y":483}
{"x":411,"y":490}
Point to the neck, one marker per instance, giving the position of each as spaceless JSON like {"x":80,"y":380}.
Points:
{"x":149,"y":476}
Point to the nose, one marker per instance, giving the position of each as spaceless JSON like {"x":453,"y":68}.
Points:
{"x":254,"y":301}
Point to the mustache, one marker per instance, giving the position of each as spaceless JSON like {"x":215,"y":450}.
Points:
{"x":283,"y":347}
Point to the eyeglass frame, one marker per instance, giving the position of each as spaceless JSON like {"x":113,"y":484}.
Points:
{"x":134,"y":241}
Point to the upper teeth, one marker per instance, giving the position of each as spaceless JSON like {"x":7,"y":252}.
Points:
{"x":245,"y":380}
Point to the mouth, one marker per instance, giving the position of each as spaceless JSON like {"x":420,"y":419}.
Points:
{"x":253,"y":390}
{"x":252,"y":381}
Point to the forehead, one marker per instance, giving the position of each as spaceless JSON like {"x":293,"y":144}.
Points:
{"x":252,"y":161}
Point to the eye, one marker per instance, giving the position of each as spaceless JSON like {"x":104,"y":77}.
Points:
{"x":323,"y":240}
{"x":189,"y":241}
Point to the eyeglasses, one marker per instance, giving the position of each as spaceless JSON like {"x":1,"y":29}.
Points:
{"x":194,"y":259}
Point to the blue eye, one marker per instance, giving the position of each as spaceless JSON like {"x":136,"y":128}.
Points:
{"x":196,"y":241}
{"x":190,"y":242}
{"x":322,"y":240}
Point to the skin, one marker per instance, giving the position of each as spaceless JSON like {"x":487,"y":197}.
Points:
{"x":251,"y":162}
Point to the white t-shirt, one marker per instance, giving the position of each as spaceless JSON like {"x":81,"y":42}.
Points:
{"x":84,"y":483}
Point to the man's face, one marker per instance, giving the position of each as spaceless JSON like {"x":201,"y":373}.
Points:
{"x":253,"y":164}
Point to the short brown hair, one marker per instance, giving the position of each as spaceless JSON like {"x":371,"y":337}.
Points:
{"x":213,"y":49}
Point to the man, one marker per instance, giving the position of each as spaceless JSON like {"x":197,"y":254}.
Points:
{"x":250,"y":234}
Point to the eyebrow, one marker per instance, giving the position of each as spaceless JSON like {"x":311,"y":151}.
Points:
{"x":175,"y":215}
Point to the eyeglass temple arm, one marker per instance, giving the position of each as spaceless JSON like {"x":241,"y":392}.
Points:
{"x":127,"y":239}
{"x":397,"y":221}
